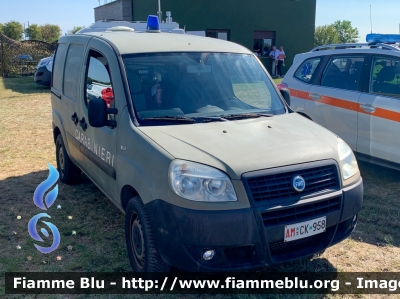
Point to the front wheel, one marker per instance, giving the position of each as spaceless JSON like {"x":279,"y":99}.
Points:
{"x":142,"y":250}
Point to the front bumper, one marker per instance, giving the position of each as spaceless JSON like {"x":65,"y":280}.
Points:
{"x":42,"y":76}
{"x":242,"y":239}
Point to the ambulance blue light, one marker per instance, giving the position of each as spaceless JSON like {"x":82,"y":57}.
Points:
{"x":153,"y":24}
{"x":383,"y":38}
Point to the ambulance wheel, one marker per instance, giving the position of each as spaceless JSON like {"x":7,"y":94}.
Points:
{"x":142,"y":250}
{"x":69,"y":172}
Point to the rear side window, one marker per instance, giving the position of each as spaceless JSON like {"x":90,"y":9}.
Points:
{"x":307,"y":69}
{"x":73,"y":67}
{"x":58,"y":66}
{"x":343,"y":72}
{"x":385,"y":76}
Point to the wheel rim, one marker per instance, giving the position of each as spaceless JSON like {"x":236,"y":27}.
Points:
{"x":137,"y":241}
{"x":61,"y":159}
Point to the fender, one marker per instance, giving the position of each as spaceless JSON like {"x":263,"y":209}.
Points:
{"x":135,"y":156}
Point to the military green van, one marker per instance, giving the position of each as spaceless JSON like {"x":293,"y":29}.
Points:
{"x":191,"y":139}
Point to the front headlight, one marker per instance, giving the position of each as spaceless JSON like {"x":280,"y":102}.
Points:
{"x":348,"y":162}
{"x":199,"y":182}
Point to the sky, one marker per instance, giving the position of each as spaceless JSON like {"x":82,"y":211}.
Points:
{"x":385,"y":15}
{"x":70,"y":13}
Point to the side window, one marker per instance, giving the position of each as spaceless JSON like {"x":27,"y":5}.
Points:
{"x":98,"y":80}
{"x":73,"y":67}
{"x":58,"y":67}
{"x":307,"y":69}
{"x":343,"y":72}
{"x":385,"y":76}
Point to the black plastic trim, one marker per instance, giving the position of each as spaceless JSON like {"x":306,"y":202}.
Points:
{"x":182,"y":234}
{"x":284,"y":169}
{"x":377,"y":161}
{"x":56,"y":94}
{"x":320,"y":71}
{"x":301,"y":211}
{"x":353,"y":198}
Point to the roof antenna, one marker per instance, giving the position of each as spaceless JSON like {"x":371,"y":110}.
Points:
{"x":159,"y":12}
{"x":370,"y":17}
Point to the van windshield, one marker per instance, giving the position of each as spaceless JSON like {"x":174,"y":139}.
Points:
{"x":193,"y":87}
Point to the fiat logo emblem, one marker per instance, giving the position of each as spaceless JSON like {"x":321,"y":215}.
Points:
{"x":298,"y":183}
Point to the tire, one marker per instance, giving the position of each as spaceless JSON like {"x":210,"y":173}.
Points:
{"x":69,"y":172}
{"x":142,"y":249}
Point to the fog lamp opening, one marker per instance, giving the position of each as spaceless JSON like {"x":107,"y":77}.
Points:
{"x":208,"y":255}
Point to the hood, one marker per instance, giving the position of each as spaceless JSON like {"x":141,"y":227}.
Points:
{"x":247,"y":145}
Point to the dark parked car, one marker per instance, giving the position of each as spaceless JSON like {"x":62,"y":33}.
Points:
{"x":23,"y":58}
{"x":42,"y":75}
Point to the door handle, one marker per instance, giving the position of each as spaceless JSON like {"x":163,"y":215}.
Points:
{"x":83,"y":124}
{"x":75,"y":118}
{"x":368,"y":108}
{"x":315,"y":96}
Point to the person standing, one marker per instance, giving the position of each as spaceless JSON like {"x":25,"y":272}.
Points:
{"x":281,"y":58}
{"x":274,"y":58}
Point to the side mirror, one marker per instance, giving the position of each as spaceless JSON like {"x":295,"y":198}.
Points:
{"x":98,"y":113}
{"x":286,"y":95}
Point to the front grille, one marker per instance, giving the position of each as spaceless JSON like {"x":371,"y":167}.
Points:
{"x":240,"y":253}
{"x":302,"y":212}
{"x":283,"y":251}
{"x":277,"y":186}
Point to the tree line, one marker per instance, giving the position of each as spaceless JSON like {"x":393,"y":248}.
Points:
{"x":48,"y":32}
{"x":339,"y":32}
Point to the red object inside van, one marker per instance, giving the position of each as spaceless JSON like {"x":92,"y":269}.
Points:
{"x":107,"y":95}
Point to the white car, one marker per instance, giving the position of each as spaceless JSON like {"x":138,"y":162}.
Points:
{"x":42,"y":75}
{"x":354,"y":91}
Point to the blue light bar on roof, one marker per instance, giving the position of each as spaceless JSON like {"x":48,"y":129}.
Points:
{"x":153,"y":25}
{"x":383,"y":38}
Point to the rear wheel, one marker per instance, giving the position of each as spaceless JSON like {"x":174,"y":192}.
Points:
{"x":69,"y":172}
{"x":142,"y":250}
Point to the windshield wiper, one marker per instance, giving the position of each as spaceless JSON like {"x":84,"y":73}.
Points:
{"x":265,"y":114}
{"x":206,"y":118}
{"x":210,"y":118}
{"x":247,"y":115}
{"x":171,"y":118}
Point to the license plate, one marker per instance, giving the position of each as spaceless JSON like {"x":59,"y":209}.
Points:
{"x":305,"y":229}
